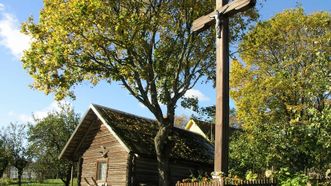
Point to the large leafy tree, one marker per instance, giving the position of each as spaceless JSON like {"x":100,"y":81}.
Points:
{"x":47,"y":139}
{"x":280,"y":86}
{"x":146,"y":46}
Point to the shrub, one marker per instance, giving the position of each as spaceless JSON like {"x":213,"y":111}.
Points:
{"x":286,"y":178}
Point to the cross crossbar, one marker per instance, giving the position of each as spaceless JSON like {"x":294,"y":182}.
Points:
{"x":229,"y":9}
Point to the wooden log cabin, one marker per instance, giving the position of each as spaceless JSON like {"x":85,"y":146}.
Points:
{"x":114,"y":148}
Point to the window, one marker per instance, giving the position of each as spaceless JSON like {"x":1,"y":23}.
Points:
{"x":101,"y":170}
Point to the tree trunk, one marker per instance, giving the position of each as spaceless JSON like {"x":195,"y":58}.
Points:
{"x":79,"y":171}
{"x":4,"y":166}
{"x":162,"y":148}
{"x":1,"y":172}
{"x":20,"y":172}
{"x":66,"y":178}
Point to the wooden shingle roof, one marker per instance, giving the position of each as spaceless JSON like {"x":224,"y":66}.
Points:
{"x":137,"y":136}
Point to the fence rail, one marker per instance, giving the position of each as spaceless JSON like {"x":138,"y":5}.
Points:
{"x":320,"y":180}
{"x":262,"y":182}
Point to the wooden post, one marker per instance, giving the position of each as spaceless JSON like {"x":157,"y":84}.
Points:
{"x":222,"y":95}
{"x":220,"y":16}
{"x":72,"y":175}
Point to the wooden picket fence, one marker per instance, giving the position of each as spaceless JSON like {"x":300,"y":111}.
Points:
{"x":261,"y":182}
{"x":320,"y":181}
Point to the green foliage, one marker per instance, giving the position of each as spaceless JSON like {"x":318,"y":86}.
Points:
{"x":199,"y":177}
{"x":48,"y":182}
{"x":47,"y":138}
{"x":282,"y":93}
{"x":4,"y":159}
{"x":137,"y":43}
{"x":147,"y":46}
{"x":286,"y":178}
{"x":5,"y":181}
{"x":15,"y":138}
{"x":207,"y":114}
{"x":250,"y":175}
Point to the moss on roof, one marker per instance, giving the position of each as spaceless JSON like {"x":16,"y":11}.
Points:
{"x":138,"y":133}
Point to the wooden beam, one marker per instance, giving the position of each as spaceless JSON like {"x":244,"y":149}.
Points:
{"x":222,"y":96}
{"x":203,"y":22}
{"x":82,"y":140}
{"x":229,"y":9}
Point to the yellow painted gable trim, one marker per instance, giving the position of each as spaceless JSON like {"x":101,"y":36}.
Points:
{"x":189,"y":124}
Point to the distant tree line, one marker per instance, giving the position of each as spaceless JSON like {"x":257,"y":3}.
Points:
{"x":38,"y":145}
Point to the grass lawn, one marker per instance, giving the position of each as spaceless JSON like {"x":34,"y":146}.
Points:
{"x":49,"y":182}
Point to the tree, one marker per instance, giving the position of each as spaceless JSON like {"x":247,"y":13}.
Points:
{"x":281,"y":84}
{"x":3,"y":157}
{"x":15,"y":138}
{"x":181,"y":121}
{"x":320,"y":123}
{"x":208,"y":114}
{"x":147,"y":46}
{"x":47,"y":139}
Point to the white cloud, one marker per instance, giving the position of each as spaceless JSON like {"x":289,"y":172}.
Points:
{"x":2,"y":7}
{"x":25,"y":118}
{"x":54,"y":106}
{"x":196,"y":94}
{"x":10,"y":35}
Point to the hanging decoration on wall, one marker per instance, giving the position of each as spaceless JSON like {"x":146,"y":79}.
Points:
{"x":103,"y":152}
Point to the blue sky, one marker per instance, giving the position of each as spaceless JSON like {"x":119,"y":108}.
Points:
{"x":18,"y":101}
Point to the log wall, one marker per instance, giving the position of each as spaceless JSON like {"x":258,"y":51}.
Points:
{"x":98,"y":135}
{"x":145,"y":171}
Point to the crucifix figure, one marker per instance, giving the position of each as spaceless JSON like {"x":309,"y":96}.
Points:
{"x":221,"y":17}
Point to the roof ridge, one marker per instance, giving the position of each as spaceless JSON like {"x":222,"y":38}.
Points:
{"x":123,"y":112}
{"x":188,"y":131}
{"x":212,"y":123}
{"x":141,"y":117}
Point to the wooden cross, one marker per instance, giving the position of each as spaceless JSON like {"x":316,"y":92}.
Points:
{"x":221,"y":17}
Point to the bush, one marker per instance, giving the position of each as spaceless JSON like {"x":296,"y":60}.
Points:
{"x":286,"y":178}
{"x":4,"y":181}
{"x":251,"y":176}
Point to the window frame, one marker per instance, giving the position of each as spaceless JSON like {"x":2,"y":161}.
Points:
{"x":99,"y":162}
